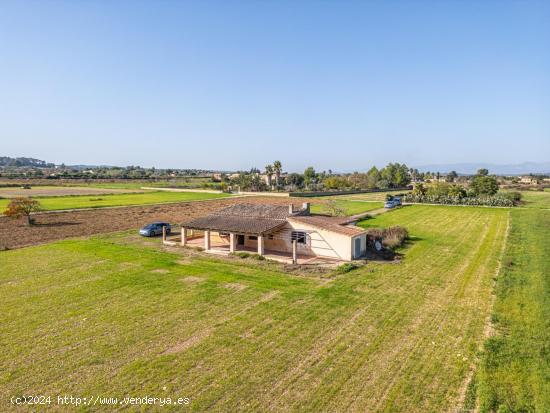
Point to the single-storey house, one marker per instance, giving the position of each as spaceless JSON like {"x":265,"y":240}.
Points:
{"x":528,"y":180}
{"x":277,"y":229}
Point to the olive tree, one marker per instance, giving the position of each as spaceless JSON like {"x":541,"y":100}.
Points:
{"x":22,"y":207}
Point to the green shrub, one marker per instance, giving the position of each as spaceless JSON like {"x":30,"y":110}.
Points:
{"x":243,"y":254}
{"x":391,"y":237}
{"x":515,"y":197}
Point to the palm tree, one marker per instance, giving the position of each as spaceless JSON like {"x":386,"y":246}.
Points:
{"x":277,"y":167}
{"x":269,"y":173}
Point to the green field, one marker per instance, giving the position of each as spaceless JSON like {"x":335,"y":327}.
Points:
{"x":515,"y":373}
{"x":123,"y":185}
{"x":348,"y":207}
{"x":99,"y":201}
{"x":536,"y":199}
{"x":533,"y":199}
{"x":191,"y":182}
{"x":115,"y":315}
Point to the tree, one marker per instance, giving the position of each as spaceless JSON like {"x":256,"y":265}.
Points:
{"x":482,"y":172}
{"x":451,"y":176}
{"x":295,"y":180}
{"x":396,"y":175}
{"x":269,"y":173}
{"x":309,"y":176}
{"x":457,"y":191}
{"x":484,"y":185}
{"x":373,"y":176}
{"x":438,"y":189}
{"x":419,"y":190}
{"x":402,"y":177}
{"x":22,"y":207}
{"x":335,"y":182}
{"x":278,"y":168}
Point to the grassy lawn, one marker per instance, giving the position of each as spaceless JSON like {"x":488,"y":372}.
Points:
{"x":536,"y":199}
{"x":106,"y":316}
{"x":349,"y":207}
{"x":515,"y":373}
{"x":99,"y":201}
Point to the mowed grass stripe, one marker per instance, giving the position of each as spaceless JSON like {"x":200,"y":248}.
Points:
{"x":310,"y":347}
{"x":515,"y":371}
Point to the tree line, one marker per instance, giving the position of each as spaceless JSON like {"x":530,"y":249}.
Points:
{"x":393,"y":175}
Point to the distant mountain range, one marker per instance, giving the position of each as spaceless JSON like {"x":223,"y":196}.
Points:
{"x":524,"y":168}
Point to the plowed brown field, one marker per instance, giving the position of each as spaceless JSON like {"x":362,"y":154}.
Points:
{"x":54,"y":226}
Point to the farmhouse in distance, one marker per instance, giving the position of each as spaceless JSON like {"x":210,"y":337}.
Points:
{"x":278,"y":230}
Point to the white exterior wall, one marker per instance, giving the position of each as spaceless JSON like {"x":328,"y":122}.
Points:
{"x":320,"y":242}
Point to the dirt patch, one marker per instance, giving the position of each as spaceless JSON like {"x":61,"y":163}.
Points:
{"x":190,"y":342}
{"x":191,"y":280}
{"x":235,"y":286}
{"x":55,"y":226}
{"x":160,"y":271}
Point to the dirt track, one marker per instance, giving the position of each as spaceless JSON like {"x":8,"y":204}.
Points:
{"x":54,"y":226}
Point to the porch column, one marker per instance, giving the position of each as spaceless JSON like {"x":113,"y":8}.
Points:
{"x":260,"y":245}
{"x":294,"y":252}
{"x":232,"y":237}
{"x":206,"y":240}
{"x":183,"y":236}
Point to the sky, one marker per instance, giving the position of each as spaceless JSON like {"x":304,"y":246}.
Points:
{"x":230,"y":85}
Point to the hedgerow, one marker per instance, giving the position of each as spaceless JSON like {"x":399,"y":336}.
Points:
{"x":498,"y":201}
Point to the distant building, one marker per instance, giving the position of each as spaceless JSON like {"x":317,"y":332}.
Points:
{"x":528,"y":180}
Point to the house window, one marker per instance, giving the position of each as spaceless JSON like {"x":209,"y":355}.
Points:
{"x":252,"y":237}
{"x":270,"y":236}
{"x":299,"y":237}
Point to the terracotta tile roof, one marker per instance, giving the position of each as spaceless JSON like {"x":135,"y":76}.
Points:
{"x":257,"y":211}
{"x":262,"y":219}
{"x":244,"y":225}
{"x":334,"y":224}
{"x":244,"y":218}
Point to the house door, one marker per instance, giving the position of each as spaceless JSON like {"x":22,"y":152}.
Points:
{"x":240,"y":239}
{"x":357,"y":244}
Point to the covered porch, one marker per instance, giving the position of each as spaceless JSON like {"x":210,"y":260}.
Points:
{"x":225,"y":243}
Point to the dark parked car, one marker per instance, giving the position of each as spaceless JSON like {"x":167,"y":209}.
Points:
{"x":155,"y":229}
